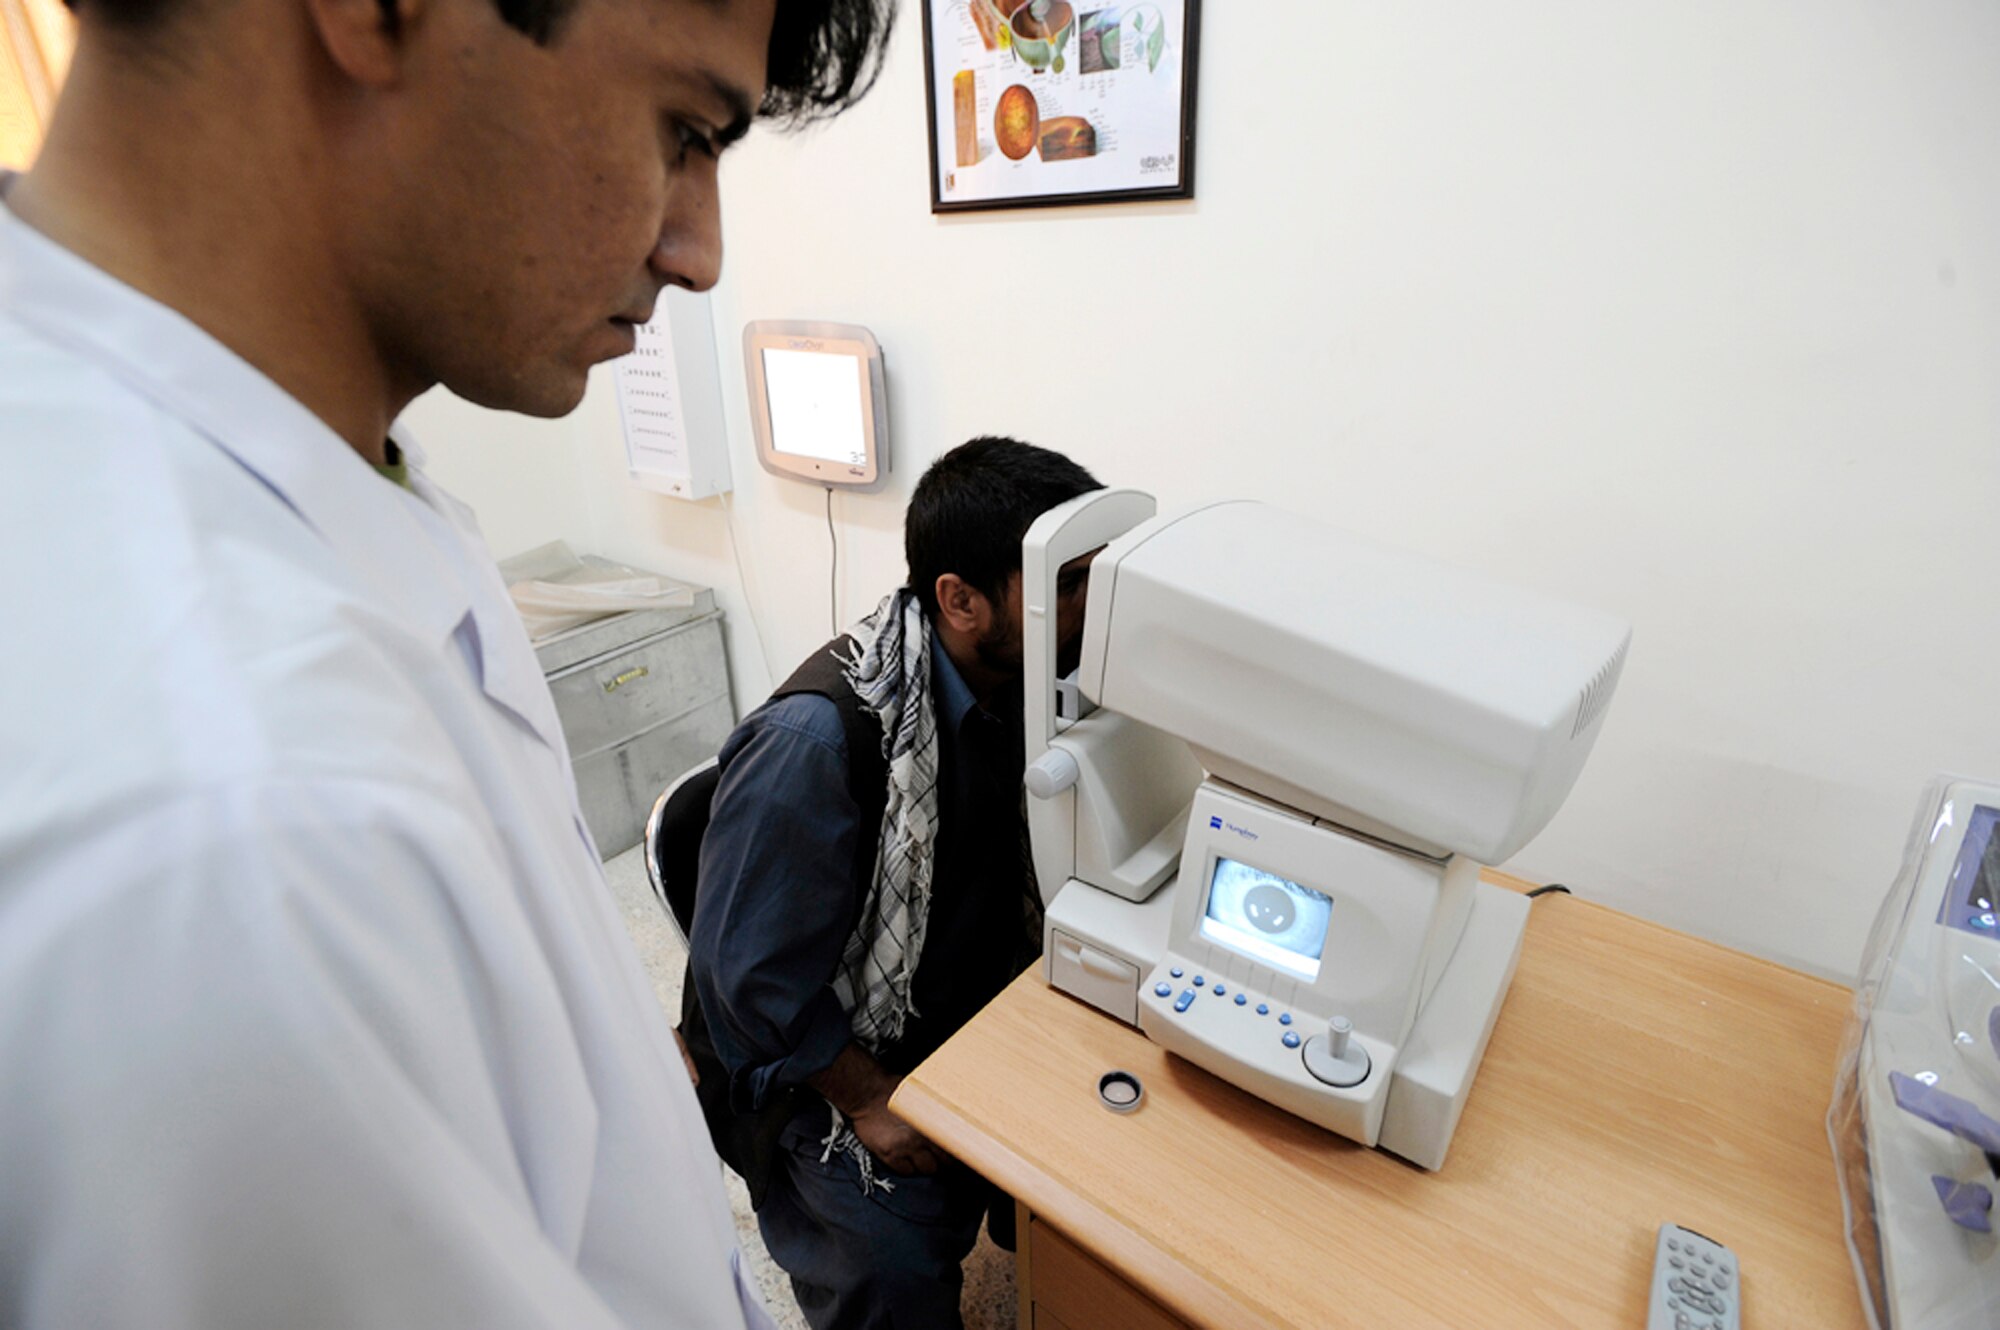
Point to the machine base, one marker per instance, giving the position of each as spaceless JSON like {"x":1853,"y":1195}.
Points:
{"x":1434,"y":1072}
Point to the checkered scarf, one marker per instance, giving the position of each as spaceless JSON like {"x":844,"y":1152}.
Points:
{"x":890,"y":672}
{"x":889,"y":668}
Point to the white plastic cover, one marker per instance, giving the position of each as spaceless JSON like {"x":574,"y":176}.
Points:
{"x":566,"y":592}
{"x":1395,"y":695}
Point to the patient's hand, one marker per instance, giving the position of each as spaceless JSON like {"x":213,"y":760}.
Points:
{"x":893,"y":1141}
{"x":857,"y":1085}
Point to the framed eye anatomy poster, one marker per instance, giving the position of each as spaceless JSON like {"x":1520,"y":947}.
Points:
{"x":1037,"y":103}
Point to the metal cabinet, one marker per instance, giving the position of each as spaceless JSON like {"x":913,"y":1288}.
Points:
{"x":643,"y":697}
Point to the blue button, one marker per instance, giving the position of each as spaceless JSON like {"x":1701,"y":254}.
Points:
{"x":1263,"y":1009}
{"x":1285,"y":1019}
{"x":1185,"y":1000}
{"x":1199,"y":981}
{"x":1240,"y":999}
{"x":1177,"y":972}
{"x":1162,"y":989}
{"x":1219,"y":989}
{"x":1291,"y":1039}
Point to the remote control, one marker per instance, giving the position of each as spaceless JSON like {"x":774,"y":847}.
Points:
{"x":1696,"y":1284}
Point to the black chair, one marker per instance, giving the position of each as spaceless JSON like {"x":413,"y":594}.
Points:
{"x":748,"y":1144}
{"x":673,"y":843}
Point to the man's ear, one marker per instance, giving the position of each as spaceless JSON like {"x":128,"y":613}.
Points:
{"x":964,"y":607}
{"x":365,"y":38}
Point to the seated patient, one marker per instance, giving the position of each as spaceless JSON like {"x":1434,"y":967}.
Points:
{"x":865,"y":889}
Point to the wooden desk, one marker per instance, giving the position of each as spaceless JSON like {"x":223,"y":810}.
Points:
{"x":1636,"y":1076}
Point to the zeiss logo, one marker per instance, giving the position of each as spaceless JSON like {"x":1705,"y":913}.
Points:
{"x":1217,"y":824}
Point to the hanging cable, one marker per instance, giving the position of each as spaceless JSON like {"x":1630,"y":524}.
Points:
{"x":833,"y":571}
{"x":743,"y":580}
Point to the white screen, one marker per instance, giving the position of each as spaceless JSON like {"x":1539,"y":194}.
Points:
{"x":1266,"y":916}
{"x":815,"y":399}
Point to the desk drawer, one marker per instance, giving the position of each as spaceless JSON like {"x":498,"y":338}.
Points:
{"x":608,"y":700}
{"x":1071,"y":1291}
{"x":617,"y":786}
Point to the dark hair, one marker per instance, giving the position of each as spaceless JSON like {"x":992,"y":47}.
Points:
{"x":973,"y":506}
{"x":824,"y":54}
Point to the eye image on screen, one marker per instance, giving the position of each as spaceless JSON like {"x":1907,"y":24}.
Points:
{"x":1269,"y":917}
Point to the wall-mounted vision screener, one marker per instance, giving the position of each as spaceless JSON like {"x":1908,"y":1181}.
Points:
{"x":818,"y":401}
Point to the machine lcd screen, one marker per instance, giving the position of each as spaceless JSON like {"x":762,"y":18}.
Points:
{"x":1971,"y":901}
{"x":1265,"y":916}
{"x":815,"y":399}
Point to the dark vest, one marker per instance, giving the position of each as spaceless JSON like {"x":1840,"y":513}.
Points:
{"x":976,"y":939}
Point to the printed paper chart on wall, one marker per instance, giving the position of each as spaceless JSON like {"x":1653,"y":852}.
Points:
{"x":1037,"y":98}
{"x":670,"y":401}
{"x":649,"y":404}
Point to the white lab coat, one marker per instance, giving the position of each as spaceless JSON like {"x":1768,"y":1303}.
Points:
{"x":314,"y":1008}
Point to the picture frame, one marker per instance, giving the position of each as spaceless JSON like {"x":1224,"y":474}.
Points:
{"x":1052,"y":103}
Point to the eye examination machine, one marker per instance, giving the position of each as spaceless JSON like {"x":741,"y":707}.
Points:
{"x":1259,"y":810}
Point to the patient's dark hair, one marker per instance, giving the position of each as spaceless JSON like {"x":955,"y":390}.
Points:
{"x":824,"y":54}
{"x":973,"y":506}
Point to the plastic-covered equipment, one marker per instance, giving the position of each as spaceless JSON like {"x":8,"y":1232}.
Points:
{"x":1915,"y":1118}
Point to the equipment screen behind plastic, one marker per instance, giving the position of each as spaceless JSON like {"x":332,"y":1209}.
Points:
{"x":1972,"y":902}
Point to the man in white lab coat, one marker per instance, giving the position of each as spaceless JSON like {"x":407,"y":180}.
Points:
{"x":313,"y":1008}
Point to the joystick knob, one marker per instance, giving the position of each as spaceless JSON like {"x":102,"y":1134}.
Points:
{"x":1334,"y":1057}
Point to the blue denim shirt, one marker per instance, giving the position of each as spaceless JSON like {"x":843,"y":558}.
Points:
{"x":778,"y":898}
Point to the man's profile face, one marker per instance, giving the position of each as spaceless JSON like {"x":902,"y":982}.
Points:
{"x":1003,"y":648}
{"x":540,"y":196}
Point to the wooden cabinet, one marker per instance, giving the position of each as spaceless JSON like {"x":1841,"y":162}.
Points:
{"x":1064,"y":1288}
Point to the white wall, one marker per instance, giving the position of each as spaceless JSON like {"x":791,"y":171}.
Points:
{"x":1690,"y":312}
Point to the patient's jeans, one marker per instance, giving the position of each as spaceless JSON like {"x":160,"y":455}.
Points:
{"x":890,"y":1258}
